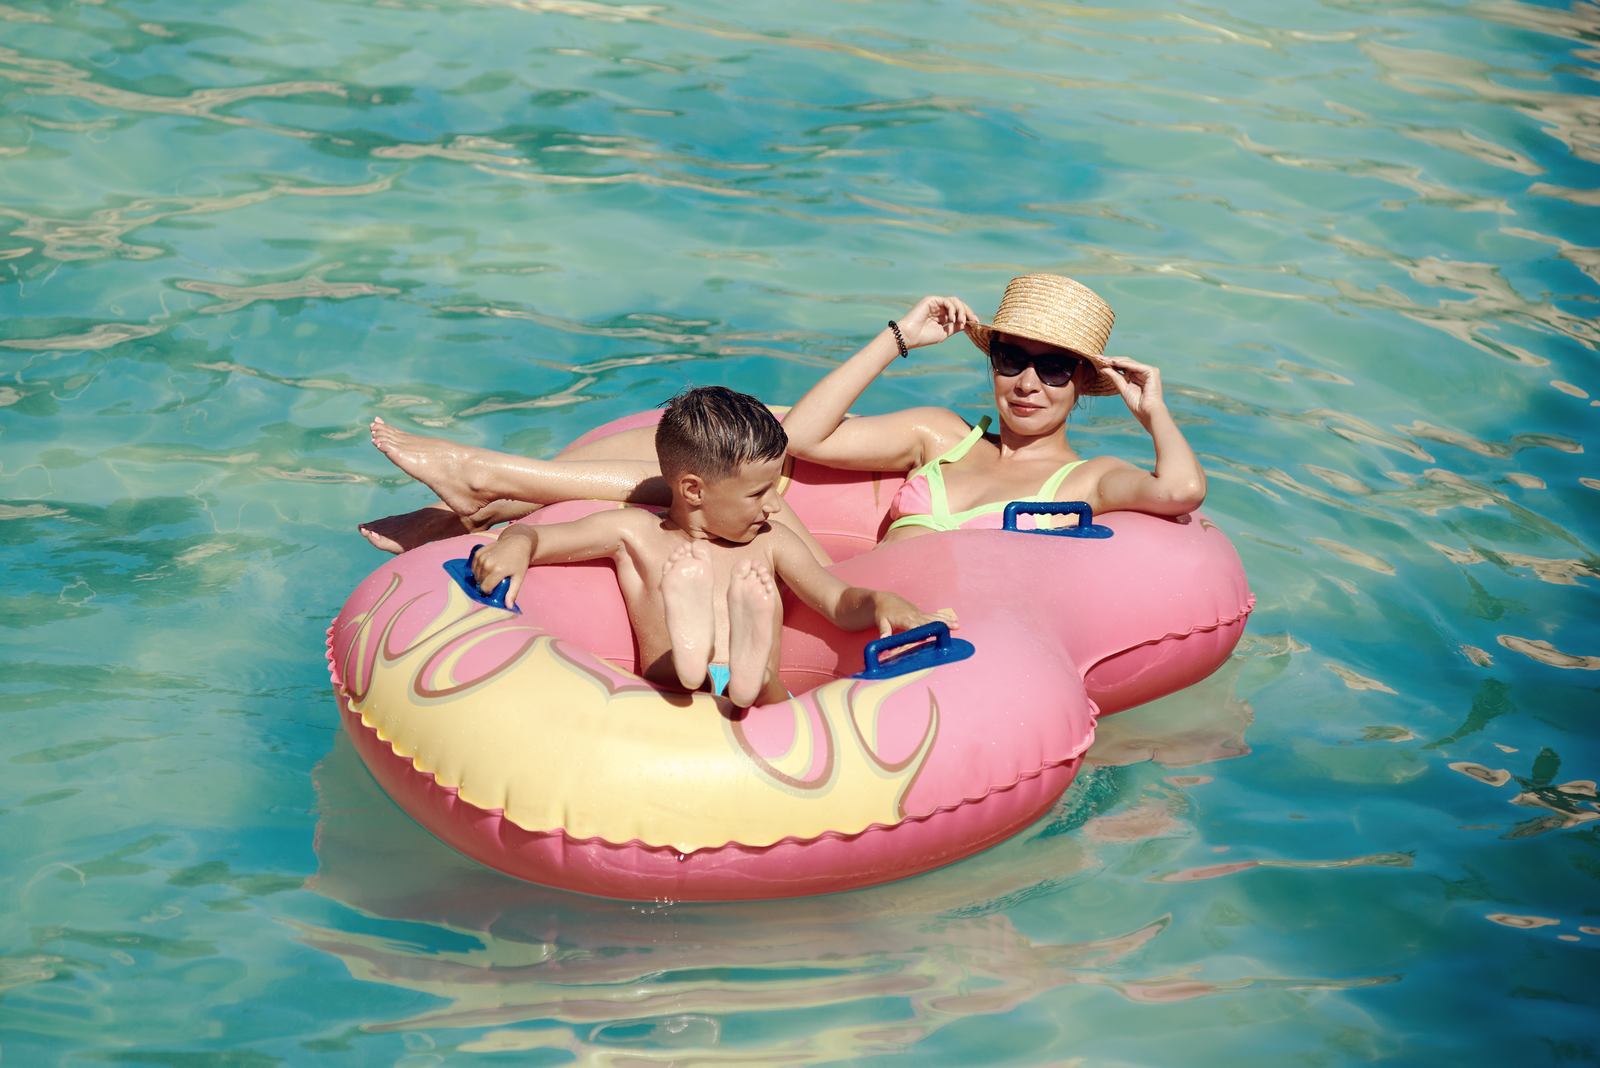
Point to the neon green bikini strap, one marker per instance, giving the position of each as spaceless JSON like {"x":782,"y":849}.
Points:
{"x":966,"y":443}
{"x":935,"y":476}
{"x":932,"y":466}
{"x":1047,"y":492}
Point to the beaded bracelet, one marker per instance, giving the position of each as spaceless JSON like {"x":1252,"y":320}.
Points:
{"x":898,"y":340}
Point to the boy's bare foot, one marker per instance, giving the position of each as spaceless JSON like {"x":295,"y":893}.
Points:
{"x":752,"y":608}
{"x":687,"y":583}
{"x":452,"y":471}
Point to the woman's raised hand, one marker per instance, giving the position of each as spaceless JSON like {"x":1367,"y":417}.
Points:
{"x":1140,"y":386}
{"x":1178,"y":483}
{"x":933,"y":319}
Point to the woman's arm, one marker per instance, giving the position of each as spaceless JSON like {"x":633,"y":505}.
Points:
{"x":1178,"y":483}
{"x":817,"y":427}
{"x":618,"y":467}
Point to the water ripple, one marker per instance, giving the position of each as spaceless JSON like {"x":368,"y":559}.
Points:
{"x":50,"y":77}
{"x":1357,"y":237}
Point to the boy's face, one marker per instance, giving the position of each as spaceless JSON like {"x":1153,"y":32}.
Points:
{"x":736,"y":508}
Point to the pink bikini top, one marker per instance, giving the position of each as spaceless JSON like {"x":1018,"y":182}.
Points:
{"x":921,"y":499}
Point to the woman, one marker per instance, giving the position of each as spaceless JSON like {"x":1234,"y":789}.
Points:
{"x":1044,"y":349}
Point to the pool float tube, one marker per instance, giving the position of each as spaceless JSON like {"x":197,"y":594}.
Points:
{"x":528,"y":742}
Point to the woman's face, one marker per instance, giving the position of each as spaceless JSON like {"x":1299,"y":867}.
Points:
{"x":1025,"y":403}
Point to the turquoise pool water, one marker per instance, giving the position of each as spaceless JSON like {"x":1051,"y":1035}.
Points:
{"x":1357,"y":237}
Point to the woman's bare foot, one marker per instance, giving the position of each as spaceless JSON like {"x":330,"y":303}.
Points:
{"x":687,"y":584}
{"x":752,"y":609}
{"x":457,"y":473}
{"x":402,"y":533}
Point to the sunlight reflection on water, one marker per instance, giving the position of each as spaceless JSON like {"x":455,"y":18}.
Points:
{"x":1357,"y":238}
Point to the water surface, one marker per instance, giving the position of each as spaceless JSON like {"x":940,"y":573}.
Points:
{"x":1358,"y":239}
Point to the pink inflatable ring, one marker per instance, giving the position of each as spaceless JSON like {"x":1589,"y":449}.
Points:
{"x":527,"y":742}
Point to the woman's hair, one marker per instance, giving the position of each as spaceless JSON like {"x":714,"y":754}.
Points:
{"x":712,"y":431}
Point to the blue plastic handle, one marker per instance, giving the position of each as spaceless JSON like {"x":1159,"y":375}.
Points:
{"x":944,"y":650}
{"x":1086,"y":528}
{"x":461,"y":571}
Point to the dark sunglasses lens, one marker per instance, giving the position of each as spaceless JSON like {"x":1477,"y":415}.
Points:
{"x":1055,"y":370}
{"x":1008,"y":360}
{"x":1011,"y":360}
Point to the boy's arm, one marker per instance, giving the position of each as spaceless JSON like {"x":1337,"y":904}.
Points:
{"x":521,"y":545}
{"x":861,"y":608}
{"x":849,"y":608}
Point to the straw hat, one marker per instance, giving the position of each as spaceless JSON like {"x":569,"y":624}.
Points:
{"x":1059,"y":312}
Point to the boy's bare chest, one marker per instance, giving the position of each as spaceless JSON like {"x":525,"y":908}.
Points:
{"x":640,"y":573}
{"x":649,"y":559}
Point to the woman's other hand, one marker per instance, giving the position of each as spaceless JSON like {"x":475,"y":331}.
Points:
{"x":1140,"y":386}
{"x":1178,"y":483}
{"x":933,"y":319}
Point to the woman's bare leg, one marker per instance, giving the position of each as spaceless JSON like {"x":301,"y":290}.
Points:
{"x":398,"y":533}
{"x":617,"y":467}
{"x":466,"y":477}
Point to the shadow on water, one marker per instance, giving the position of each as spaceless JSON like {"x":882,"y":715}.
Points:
{"x":885,"y":967}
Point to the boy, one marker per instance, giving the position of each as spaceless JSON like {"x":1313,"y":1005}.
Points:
{"x":698,"y":581}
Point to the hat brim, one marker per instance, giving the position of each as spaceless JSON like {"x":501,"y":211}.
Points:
{"x":1103,"y":384}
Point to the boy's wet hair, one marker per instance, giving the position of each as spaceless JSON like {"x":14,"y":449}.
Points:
{"x":713,"y":431}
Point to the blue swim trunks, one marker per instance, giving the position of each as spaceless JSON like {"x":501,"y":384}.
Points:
{"x":719,"y":679}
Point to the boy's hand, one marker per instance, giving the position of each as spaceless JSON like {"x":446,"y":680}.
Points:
{"x":506,"y":558}
{"x":894,"y":613}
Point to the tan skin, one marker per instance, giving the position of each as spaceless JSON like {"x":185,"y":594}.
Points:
{"x":698,"y":581}
{"x":1031,"y":444}
{"x":480,"y":488}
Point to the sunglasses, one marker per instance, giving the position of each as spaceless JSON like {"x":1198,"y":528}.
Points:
{"x":1053,"y":368}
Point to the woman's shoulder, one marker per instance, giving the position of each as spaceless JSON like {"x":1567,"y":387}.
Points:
{"x":1083,"y":476}
{"x":1106,"y":462}
{"x":924,"y":432}
{"x":940,"y":427}
{"x":928,"y":414}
